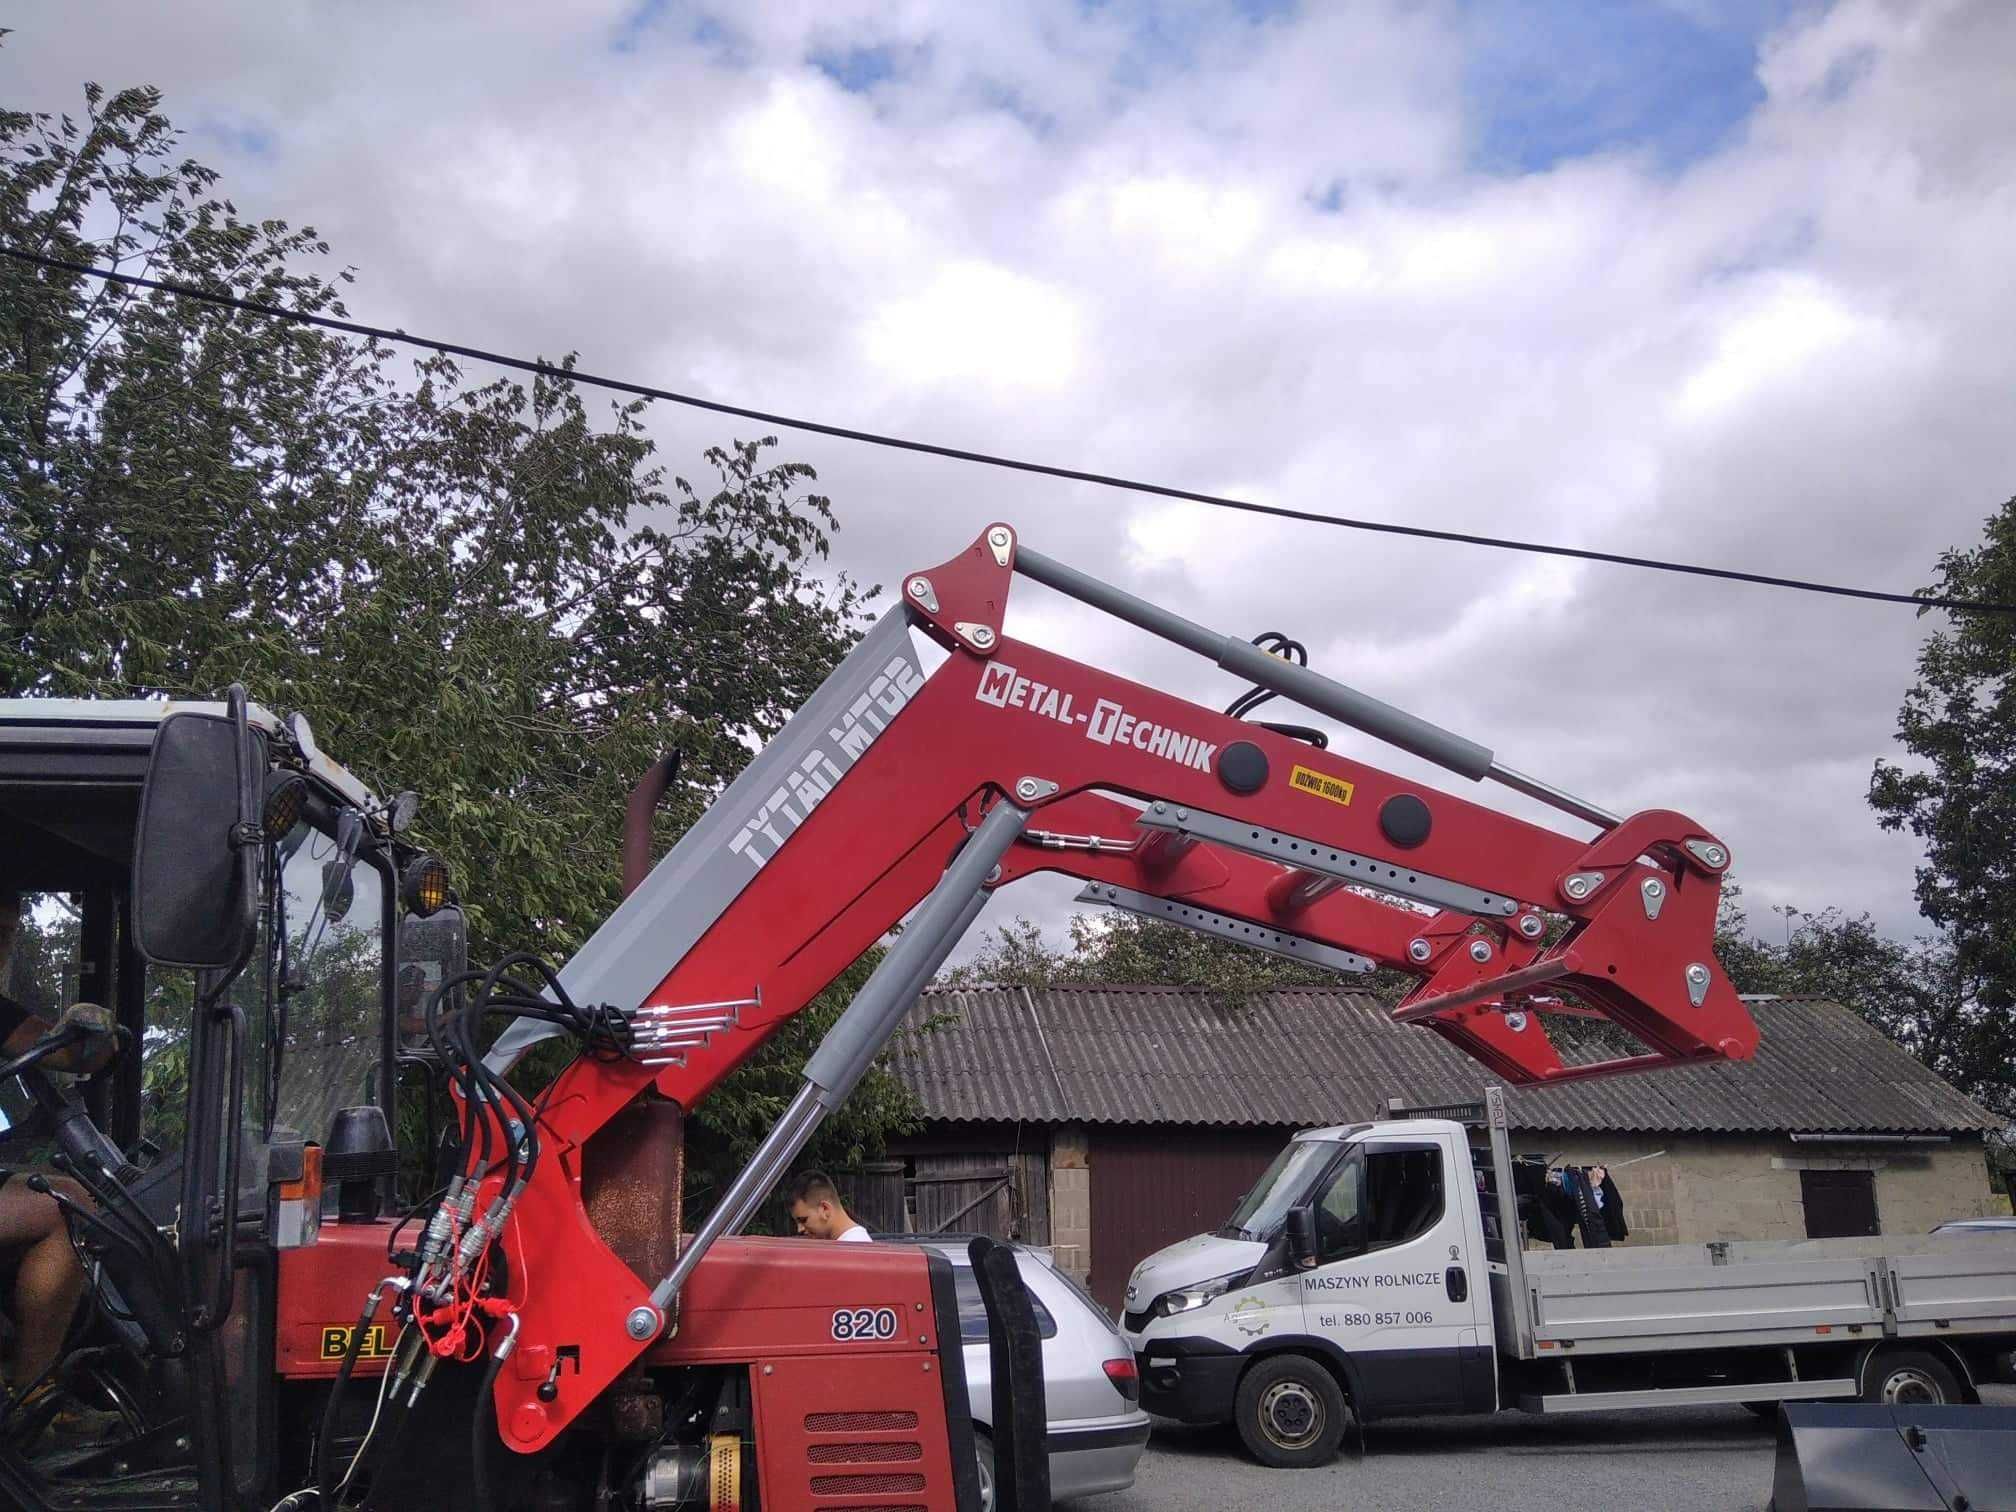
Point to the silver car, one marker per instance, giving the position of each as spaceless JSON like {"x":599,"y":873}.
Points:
{"x":1091,"y":1389}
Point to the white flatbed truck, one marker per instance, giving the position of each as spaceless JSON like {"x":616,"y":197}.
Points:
{"x":1345,"y":1285}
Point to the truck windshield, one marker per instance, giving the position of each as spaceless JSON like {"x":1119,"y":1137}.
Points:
{"x":1261,"y":1211}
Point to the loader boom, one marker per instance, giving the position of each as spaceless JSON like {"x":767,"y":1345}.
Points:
{"x":894,"y":786}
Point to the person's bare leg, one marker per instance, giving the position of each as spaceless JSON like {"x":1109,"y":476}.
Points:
{"x":49,"y":1281}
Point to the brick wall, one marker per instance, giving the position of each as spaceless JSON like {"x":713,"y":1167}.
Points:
{"x":1747,"y":1186}
{"x":1071,"y":1201}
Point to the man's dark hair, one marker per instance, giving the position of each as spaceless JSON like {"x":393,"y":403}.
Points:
{"x":814,"y":1186}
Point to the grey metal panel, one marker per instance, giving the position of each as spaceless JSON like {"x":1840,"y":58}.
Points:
{"x":1687,"y":1396}
{"x":652,"y":929}
{"x":1974,"y":1285}
{"x":1642,"y":1297}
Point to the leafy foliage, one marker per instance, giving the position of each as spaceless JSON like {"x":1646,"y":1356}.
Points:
{"x":1958,"y":796}
{"x":476,"y":589}
{"x":1124,"y":948}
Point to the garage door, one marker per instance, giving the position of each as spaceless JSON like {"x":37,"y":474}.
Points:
{"x":1153,"y":1186}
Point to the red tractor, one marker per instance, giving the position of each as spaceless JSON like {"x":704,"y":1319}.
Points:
{"x":541,"y":1334}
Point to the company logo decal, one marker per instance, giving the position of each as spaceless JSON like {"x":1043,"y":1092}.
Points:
{"x":1249,"y":1317}
{"x":819,"y":771}
{"x":335,"y":1343}
{"x":1108,"y":723}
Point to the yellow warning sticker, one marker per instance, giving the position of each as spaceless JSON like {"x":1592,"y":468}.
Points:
{"x":1334,"y":788}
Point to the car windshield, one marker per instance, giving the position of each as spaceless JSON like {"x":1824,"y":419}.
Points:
{"x":1261,"y":1210}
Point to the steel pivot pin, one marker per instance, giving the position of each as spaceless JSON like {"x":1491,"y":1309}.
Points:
{"x":1480,"y":950}
{"x":642,"y":1323}
{"x":1419,"y":950}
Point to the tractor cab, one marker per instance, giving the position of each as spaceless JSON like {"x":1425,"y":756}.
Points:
{"x":256,"y":922}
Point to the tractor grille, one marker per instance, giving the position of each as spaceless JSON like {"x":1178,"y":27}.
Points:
{"x":869,"y":1462}
{"x":859,"y":1422}
{"x":885,"y":1484}
{"x":864,"y":1454}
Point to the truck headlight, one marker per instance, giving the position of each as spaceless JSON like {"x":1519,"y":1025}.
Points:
{"x":1189,"y":1298}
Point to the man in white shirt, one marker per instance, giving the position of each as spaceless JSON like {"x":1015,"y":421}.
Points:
{"x":817,"y":1210}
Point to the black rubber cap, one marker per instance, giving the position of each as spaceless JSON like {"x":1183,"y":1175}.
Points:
{"x":1242,"y":767}
{"x":1405,"y":820}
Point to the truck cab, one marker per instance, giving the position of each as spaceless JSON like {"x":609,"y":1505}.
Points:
{"x":1356,"y":1249}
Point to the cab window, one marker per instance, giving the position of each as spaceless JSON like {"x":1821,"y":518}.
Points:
{"x":1378,"y":1197}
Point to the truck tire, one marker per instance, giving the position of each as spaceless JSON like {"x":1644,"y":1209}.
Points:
{"x":1910,"y":1378}
{"x":1290,"y":1414}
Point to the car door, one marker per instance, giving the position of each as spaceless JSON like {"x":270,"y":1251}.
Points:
{"x":1392,"y":1285}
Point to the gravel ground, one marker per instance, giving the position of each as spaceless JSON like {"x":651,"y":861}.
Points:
{"x":1706,"y":1457}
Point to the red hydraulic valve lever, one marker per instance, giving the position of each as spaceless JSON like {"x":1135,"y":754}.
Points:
{"x":892,"y":784}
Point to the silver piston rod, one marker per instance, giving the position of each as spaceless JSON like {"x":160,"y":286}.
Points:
{"x":851,"y":1045}
{"x":1310,"y":689}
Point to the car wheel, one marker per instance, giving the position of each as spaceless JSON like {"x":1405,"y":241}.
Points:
{"x":1910,"y":1378}
{"x":1290,"y":1413}
{"x":983,"y":1453}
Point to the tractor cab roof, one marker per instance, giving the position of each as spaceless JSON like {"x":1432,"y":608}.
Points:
{"x":71,"y":770}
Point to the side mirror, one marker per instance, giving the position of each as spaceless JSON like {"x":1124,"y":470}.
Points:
{"x":432,"y":950}
{"x":1301,"y":1229}
{"x":195,"y":894}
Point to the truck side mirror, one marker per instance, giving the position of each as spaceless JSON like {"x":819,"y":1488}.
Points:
{"x":194,"y":890}
{"x":1301,"y":1228}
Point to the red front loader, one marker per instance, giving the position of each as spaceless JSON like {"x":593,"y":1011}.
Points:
{"x":541,"y":1333}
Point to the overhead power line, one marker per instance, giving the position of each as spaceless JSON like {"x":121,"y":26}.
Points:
{"x":990,"y":459}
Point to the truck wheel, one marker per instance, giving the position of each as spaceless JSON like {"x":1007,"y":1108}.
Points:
{"x":1290,"y":1413}
{"x":1909,"y":1378}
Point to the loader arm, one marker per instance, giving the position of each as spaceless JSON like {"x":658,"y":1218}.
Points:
{"x":893,"y":787}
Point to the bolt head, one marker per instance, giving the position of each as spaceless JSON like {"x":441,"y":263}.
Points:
{"x":1419,"y":950}
{"x":1182,"y":813}
{"x":1530,"y":926}
{"x":642,"y":1322}
{"x":1516,"y":1022}
{"x":1480,"y":950}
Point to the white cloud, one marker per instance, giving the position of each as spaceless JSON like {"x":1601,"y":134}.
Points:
{"x":1243,"y":258}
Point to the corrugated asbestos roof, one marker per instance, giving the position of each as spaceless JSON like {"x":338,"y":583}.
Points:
{"x":1308,"y":1056}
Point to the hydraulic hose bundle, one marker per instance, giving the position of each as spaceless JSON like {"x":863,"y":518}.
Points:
{"x":446,"y":1300}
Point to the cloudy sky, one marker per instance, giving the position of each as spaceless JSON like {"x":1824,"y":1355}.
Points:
{"x":1722,"y":280}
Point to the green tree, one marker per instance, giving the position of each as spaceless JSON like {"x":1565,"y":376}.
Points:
{"x":1119,"y":947}
{"x":476,"y":589}
{"x":1957,"y":795}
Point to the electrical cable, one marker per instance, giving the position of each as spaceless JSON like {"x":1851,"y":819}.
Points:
{"x":991,"y":459}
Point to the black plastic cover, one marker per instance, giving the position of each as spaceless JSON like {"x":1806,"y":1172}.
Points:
{"x":1015,"y":1350}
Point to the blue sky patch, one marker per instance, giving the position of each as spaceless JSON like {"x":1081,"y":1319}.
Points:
{"x":855,"y":69}
{"x":1545,"y":83}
